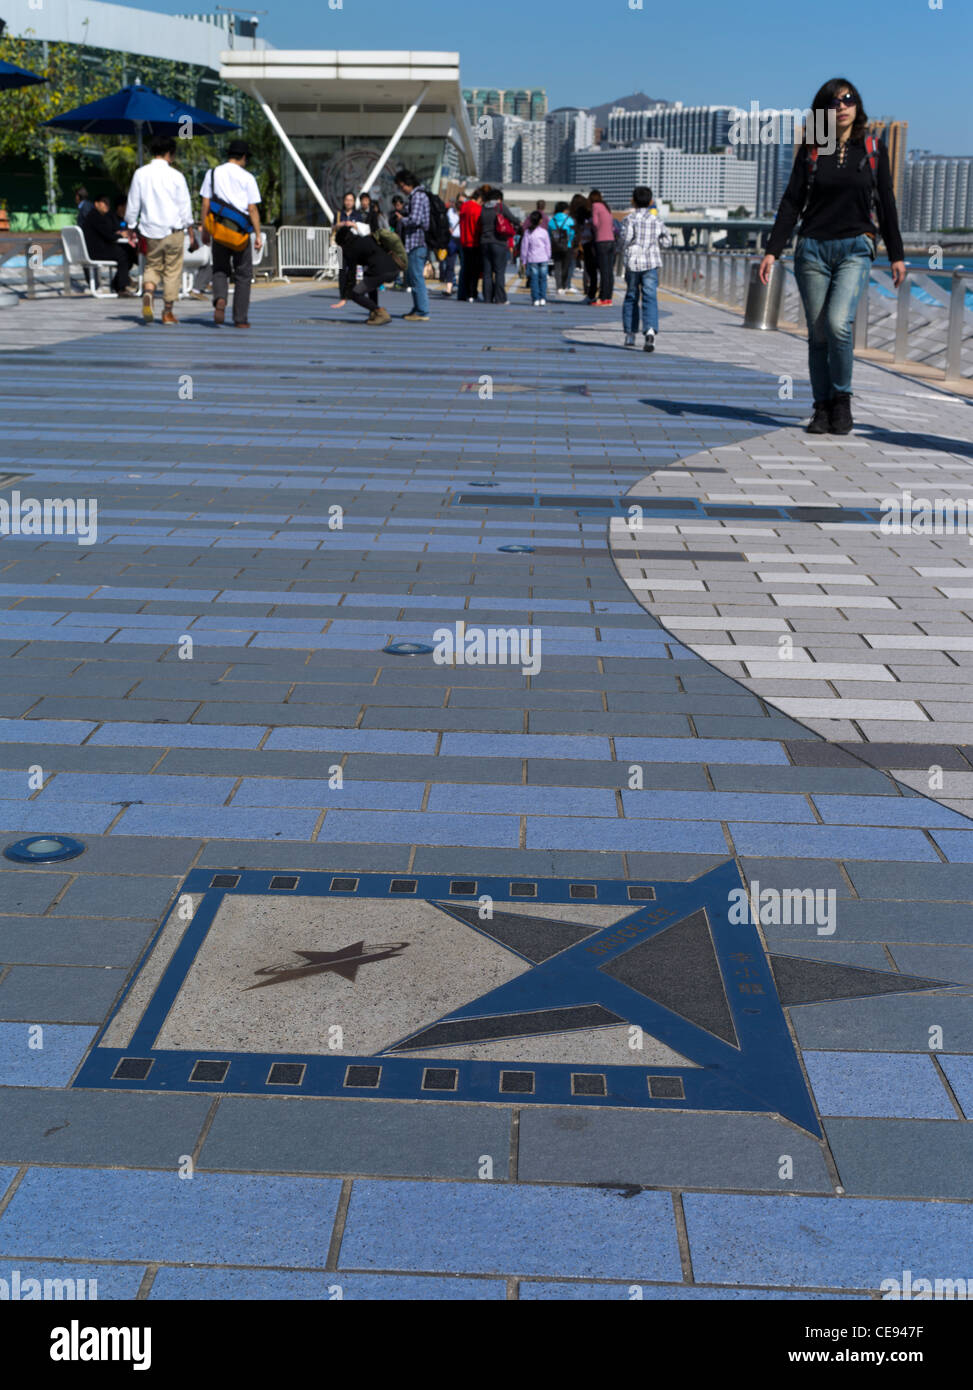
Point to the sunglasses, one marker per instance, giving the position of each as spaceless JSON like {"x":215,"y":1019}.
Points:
{"x":846,"y":100}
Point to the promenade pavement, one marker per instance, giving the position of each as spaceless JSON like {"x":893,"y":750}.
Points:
{"x":381,"y":977}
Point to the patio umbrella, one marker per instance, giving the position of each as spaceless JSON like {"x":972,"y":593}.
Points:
{"x":11,"y":76}
{"x":140,"y":109}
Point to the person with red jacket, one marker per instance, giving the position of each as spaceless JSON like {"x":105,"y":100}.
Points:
{"x":470,"y":256}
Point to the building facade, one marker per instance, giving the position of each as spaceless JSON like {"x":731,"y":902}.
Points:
{"x":682,"y":180}
{"x":529,"y":103}
{"x":938,"y":192}
{"x":569,"y":129}
{"x":693,"y":129}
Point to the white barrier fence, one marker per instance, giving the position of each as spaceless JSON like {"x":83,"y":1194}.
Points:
{"x":307,"y":248}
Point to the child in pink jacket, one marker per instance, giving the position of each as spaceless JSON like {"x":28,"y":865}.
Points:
{"x":535,"y":254}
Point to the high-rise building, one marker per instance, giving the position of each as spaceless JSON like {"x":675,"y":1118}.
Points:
{"x":894,"y":135}
{"x":938,"y":192}
{"x":694,"y":129}
{"x":529,"y":103}
{"x":569,"y":129}
{"x":684,"y":180}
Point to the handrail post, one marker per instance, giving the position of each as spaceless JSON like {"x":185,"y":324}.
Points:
{"x":954,"y":337}
{"x":721,"y":291}
{"x":29,"y":264}
{"x":902,"y":321}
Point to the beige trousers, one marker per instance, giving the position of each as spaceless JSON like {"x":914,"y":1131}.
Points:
{"x":163,"y":263}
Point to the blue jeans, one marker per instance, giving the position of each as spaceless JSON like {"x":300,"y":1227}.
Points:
{"x":831,"y":276}
{"x":646,"y":282}
{"x":415,"y":281}
{"x":537,"y":278}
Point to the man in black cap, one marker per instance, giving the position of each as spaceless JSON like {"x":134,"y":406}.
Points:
{"x":231,"y":186}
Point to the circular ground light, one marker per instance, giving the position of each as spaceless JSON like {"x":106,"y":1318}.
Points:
{"x":408,"y":649}
{"x":43,"y":849}
{"x":516,"y":549}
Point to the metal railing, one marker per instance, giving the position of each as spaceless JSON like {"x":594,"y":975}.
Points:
{"x":307,"y":248}
{"x":920,"y":324}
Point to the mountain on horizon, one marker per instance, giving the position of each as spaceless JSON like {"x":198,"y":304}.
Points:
{"x":636,"y":101}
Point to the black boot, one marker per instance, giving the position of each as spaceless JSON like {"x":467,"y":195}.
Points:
{"x":820,"y":422}
{"x":841,"y":421}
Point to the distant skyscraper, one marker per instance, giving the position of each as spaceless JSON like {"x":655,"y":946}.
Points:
{"x":569,"y":129}
{"x":894,"y":135}
{"x":938,"y":192}
{"x":529,"y":103}
{"x":694,"y":129}
{"x":677,"y":177}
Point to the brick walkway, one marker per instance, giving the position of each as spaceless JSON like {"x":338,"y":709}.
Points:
{"x":217,"y":464}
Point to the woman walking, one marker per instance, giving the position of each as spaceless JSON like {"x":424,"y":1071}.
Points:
{"x":603,"y":239}
{"x":497,"y":228}
{"x":844,"y":199}
{"x":535,"y":252}
{"x":582,"y":246}
{"x":560,"y":229}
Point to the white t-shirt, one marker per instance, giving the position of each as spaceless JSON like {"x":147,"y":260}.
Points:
{"x":231,"y":183}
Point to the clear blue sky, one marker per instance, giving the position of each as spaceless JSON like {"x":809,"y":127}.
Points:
{"x":909,"y":61}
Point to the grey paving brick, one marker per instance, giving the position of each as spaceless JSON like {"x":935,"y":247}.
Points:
{"x":796,"y":873}
{"x":677,"y":868}
{"x":71,"y":941}
{"x":25,"y":890}
{"x":850,"y":781}
{"x":371,"y":1137}
{"x":660,"y":776}
{"x":124,"y":895}
{"x":655,"y":1148}
{"x":929,"y":882}
{"x":903,"y":1158}
{"x":255,"y":854}
{"x":890,"y":1023}
{"x":935,"y":962}
{"x":118,"y":1129}
{"x":58,"y":994}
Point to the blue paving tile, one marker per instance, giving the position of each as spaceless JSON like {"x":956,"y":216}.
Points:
{"x":216,"y":1218}
{"x":522,"y":801}
{"x":959,"y":1073}
{"x":823,"y":1242}
{"x":532,"y":1291}
{"x":957,"y":845}
{"x":219,"y":822}
{"x":575,"y":832}
{"x":315,"y":791}
{"x":41,"y":1054}
{"x":716,"y":806}
{"x":72,"y":731}
{"x":524,"y":746}
{"x":467,"y":1228}
{"x":56,"y":1280}
{"x":420,"y":828}
{"x":831,"y":842}
{"x":154,"y":788}
{"x":77,"y":819}
{"x":888,"y":810}
{"x":171,"y":735}
{"x":699,"y":750}
{"x":173,"y":1283}
{"x":351,"y":741}
{"x":887,"y":1085}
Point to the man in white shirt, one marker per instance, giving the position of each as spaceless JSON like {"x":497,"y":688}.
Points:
{"x":230,"y":183}
{"x":159,"y":206}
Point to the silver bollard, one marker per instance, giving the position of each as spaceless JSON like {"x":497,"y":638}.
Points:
{"x":764,"y":301}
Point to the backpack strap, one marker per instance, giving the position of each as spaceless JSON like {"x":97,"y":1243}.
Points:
{"x":812,"y":169}
{"x":871,"y":146}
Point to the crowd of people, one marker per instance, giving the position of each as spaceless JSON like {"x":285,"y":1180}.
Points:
{"x":839,"y":199}
{"x":156,"y":220}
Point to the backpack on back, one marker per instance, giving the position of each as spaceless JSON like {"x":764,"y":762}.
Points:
{"x":559,"y":237}
{"x":392,"y":243}
{"x":437,"y":233}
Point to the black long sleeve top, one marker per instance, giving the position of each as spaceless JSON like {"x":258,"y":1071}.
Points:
{"x":840,"y":202}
